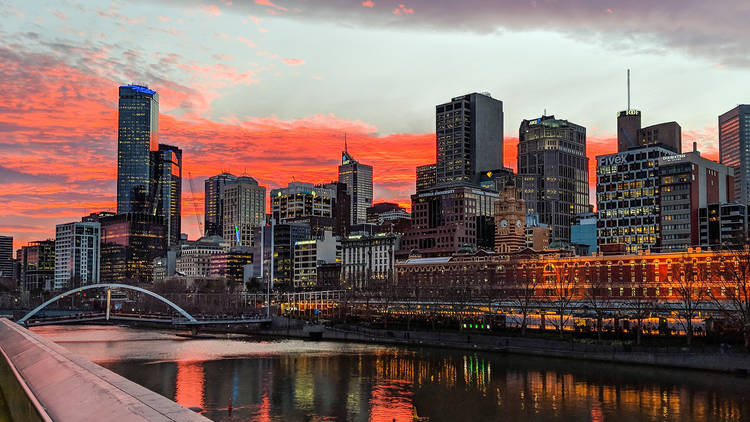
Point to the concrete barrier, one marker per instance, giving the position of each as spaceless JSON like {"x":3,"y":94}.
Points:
{"x":54,"y":384}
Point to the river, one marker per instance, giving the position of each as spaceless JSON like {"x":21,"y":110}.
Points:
{"x":295,"y":380}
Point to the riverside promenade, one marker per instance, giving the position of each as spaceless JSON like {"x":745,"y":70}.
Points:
{"x":42,"y":381}
{"x":672,"y":357}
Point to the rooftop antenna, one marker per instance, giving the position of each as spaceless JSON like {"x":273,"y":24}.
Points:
{"x":628,"y":89}
{"x":545,"y":112}
{"x":346,"y":149}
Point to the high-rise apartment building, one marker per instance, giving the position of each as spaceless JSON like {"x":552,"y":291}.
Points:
{"x":244,"y":207}
{"x":553,"y":169}
{"x":734,"y":148}
{"x":169,"y":190}
{"x":469,"y":136}
{"x":214,"y":203}
{"x":358,"y":179}
{"x":137,"y":143}
{"x":6,"y":256}
{"x":77,"y":254}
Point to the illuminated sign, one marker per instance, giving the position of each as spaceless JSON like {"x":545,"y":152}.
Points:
{"x":629,"y":113}
{"x":613,"y":160}
{"x":237,"y":234}
{"x":670,"y":158}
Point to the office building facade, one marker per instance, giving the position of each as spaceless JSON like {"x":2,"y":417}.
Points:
{"x":627,"y":199}
{"x":426,"y":177}
{"x":368,"y":261}
{"x":734,"y":148}
{"x":723,"y":225}
{"x":302,"y":200}
{"x":129,"y":245}
{"x":583,"y":234}
{"x":687,"y":183}
{"x":77,"y":254}
{"x":358,"y":179}
{"x":37,"y":260}
{"x":214,"y":203}
{"x":309,"y":254}
{"x":469,"y":138}
{"x":169,"y":190}
{"x":553,"y":172}
{"x":244,"y":208}
{"x":6,"y":257}
{"x":444,"y":220}
{"x":137,"y":144}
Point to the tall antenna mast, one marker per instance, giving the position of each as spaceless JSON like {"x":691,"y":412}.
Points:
{"x":628,"y":89}
{"x":346,"y":149}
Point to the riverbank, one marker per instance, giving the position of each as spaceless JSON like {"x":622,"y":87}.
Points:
{"x":668,"y":357}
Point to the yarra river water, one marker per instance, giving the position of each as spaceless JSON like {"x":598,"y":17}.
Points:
{"x":294,"y":380}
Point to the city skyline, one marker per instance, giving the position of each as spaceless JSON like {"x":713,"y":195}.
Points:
{"x":60,"y":73}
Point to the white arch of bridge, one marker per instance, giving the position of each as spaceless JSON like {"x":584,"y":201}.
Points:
{"x":107,"y":286}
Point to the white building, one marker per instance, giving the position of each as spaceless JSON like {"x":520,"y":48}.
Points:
{"x":308,"y":254}
{"x":77,"y":254}
{"x":300,"y":200}
{"x":368,"y":260}
{"x":244,"y":207}
{"x":194,"y":258}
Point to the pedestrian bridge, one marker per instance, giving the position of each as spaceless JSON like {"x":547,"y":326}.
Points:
{"x":185,"y":319}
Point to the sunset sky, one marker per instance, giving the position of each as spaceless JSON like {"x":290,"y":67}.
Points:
{"x":269,"y":87}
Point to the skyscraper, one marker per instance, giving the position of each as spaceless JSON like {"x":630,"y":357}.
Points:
{"x":77,"y":254}
{"x":358,"y":179}
{"x":129,"y":244}
{"x":734,"y":148}
{"x":553,"y":169}
{"x":244,"y":208}
{"x":214,"y":203}
{"x":169,"y":190}
{"x":6,"y":256}
{"x":137,"y":141}
{"x":469,"y":132}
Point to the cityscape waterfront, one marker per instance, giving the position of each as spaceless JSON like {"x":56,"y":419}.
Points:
{"x":273,"y":210}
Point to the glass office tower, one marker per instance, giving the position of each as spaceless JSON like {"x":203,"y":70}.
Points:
{"x":137,"y":140}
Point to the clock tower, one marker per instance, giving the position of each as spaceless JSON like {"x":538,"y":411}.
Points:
{"x":510,"y":221}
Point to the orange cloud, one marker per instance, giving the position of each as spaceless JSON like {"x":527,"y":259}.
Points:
{"x":368,"y":3}
{"x":210,"y":9}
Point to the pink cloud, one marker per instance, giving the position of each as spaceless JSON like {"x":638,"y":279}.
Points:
{"x":271,"y":4}
{"x":163,"y":18}
{"x":246,"y":41}
{"x":402,"y":10}
{"x":293,"y":62}
{"x":210,"y":9}
{"x":368,"y":3}
{"x":255,"y":19}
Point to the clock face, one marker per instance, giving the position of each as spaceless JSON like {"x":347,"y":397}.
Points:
{"x":518,"y":223}
{"x":504,"y":223}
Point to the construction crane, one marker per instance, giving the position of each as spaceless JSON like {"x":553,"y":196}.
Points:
{"x":195,"y":207}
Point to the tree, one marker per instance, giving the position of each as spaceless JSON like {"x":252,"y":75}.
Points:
{"x":597,"y":296}
{"x":687,"y":282}
{"x":729,"y":290}
{"x":522,"y":294}
{"x":561,"y":294}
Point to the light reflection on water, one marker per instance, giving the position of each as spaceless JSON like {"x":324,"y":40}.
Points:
{"x":320,"y":381}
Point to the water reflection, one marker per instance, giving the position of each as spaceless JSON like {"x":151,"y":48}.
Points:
{"x":291,"y":380}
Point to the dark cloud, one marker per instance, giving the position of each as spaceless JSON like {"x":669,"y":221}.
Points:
{"x":714,"y":30}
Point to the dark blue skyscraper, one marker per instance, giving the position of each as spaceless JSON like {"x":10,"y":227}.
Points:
{"x":137,"y":143}
{"x":169,"y":190}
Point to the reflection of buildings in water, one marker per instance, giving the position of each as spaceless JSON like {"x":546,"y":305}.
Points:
{"x":392,"y":401}
{"x":189,"y":386}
